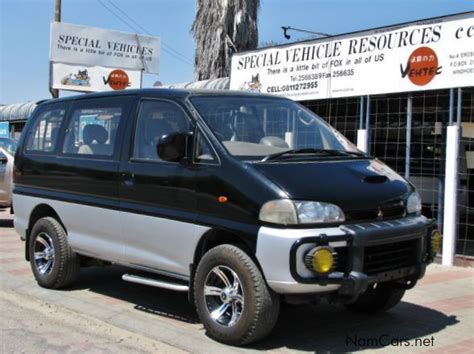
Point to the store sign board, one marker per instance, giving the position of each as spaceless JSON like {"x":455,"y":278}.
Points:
{"x":74,"y":44}
{"x":4,"y":129}
{"x":426,"y":55}
{"x":93,"y":78}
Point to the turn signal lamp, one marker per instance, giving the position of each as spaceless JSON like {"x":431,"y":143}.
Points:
{"x":436,"y":241}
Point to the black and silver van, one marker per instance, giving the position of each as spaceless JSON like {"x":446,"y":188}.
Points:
{"x":242,"y":200}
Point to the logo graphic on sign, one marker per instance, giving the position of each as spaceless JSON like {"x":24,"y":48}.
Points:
{"x":80,"y":79}
{"x":117,"y":80}
{"x":422,"y":66}
{"x":254,"y":85}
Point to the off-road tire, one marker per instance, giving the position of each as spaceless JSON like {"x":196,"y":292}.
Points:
{"x":262,"y":305}
{"x":65,"y":268}
{"x":382,"y":298}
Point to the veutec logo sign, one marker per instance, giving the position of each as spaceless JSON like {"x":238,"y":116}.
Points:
{"x":422,"y":66}
{"x":431,"y":54}
{"x":117,"y":80}
{"x":93,"y":78}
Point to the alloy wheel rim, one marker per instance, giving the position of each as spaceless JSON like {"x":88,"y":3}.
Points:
{"x":224,"y":296}
{"x":44,"y":253}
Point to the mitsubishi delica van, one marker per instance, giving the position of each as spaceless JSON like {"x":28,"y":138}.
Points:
{"x":244,"y":201}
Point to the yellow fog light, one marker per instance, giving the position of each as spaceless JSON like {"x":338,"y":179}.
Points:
{"x":323,"y":260}
{"x":436,"y":241}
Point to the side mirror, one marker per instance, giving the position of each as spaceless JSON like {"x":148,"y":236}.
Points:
{"x":173,"y":147}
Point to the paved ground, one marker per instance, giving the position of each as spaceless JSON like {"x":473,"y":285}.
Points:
{"x":101,"y":313}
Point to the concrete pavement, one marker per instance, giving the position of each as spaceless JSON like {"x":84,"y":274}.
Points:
{"x":31,"y":326}
{"x":435,"y":316}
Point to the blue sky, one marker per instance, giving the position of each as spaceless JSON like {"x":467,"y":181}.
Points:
{"x":24,"y":31}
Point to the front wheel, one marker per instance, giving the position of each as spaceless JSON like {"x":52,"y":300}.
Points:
{"x":232,"y":299}
{"x":377,"y":298}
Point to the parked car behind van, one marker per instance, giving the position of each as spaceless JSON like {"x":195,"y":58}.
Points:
{"x":241,"y":200}
{"x":6,"y":178}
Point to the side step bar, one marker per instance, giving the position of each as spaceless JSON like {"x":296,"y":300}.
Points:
{"x":153,"y":282}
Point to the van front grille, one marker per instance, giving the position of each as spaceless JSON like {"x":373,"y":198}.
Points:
{"x":389,"y":256}
{"x":340,"y":259}
{"x":385,"y":212}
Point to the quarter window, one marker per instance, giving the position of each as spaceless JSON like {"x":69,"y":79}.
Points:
{"x":43,"y":136}
{"x":156,"y":119}
{"x":203,"y":152}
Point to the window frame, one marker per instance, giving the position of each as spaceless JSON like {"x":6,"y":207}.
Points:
{"x":125,"y":102}
{"x":129,"y":156}
{"x":40,"y":110}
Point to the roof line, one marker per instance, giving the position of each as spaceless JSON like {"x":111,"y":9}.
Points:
{"x":354,"y":32}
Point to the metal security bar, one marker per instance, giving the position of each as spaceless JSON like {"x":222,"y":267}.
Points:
{"x":427,"y":149}
{"x":465,"y":199}
{"x":342,"y":113}
{"x":388,"y":130}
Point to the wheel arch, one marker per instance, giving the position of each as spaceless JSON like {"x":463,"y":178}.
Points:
{"x":40,"y":211}
{"x":215,"y":237}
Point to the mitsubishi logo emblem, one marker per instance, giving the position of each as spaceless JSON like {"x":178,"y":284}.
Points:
{"x":380,"y":214}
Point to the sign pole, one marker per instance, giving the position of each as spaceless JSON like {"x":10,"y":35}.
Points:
{"x":450,"y":226}
{"x":408,"y":135}
{"x":57,"y":18}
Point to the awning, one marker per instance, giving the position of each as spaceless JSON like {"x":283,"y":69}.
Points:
{"x":215,"y":84}
{"x":17,"y":111}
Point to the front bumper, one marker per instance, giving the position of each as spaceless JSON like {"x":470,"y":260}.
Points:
{"x":281,"y":252}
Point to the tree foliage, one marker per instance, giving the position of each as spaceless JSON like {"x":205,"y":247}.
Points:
{"x":221,"y":28}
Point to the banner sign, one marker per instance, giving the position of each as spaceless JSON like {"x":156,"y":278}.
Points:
{"x":432,"y":54}
{"x":93,"y":78}
{"x":4,"y":129}
{"x":74,"y":44}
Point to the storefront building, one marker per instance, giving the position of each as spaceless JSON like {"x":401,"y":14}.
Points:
{"x":13,"y":118}
{"x":404,"y":94}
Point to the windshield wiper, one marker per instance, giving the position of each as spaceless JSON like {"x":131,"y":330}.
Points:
{"x":327,"y":152}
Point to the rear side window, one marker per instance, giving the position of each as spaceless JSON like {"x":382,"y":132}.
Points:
{"x":44,"y":133}
{"x":93,"y":126}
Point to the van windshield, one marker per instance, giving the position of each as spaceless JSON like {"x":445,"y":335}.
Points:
{"x":266,"y":128}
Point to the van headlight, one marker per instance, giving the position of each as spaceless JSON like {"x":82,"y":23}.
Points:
{"x":414,"y":203}
{"x":293,"y":212}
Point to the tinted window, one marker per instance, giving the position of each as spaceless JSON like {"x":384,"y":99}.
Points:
{"x":157,"y":118}
{"x":92,"y":128}
{"x":43,"y":135}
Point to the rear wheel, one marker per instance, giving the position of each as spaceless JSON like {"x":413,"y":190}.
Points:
{"x":378,"y":298}
{"x":232,"y":299}
{"x":53,"y":263}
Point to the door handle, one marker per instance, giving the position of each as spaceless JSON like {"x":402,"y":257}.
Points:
{"x":128,"y":180}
